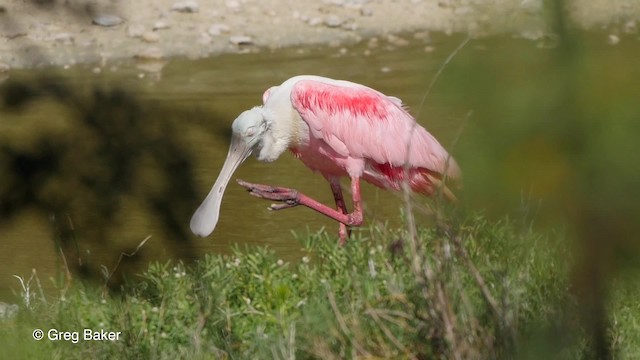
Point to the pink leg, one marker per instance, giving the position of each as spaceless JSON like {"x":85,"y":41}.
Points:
{"x":343,"y":232}
{"x":291,"y":198}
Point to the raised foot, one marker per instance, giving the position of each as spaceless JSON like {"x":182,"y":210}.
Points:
{"x":288,"y":197}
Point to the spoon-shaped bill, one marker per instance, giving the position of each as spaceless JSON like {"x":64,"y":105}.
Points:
{"x":205,"y":218}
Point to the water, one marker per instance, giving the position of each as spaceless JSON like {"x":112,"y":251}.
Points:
{"x":225,"y":86}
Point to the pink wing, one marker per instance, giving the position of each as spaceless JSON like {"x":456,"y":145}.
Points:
{"x":359,"y":122}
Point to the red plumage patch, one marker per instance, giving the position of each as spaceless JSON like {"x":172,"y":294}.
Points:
{"x":418,"y":179}
{"x":340,"y":100}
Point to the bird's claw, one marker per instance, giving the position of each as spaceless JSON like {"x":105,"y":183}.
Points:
{"x":286,"y":205}
{"x":288,"y":196}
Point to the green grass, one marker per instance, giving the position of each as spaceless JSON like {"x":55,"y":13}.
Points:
{"x":484,"y":290}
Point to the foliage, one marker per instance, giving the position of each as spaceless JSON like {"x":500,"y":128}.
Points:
{"x":363,"y":300}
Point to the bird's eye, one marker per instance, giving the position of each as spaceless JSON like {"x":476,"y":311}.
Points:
{"x":250,"y":131}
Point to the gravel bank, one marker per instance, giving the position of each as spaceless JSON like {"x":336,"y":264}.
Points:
{"x":58,"y":33}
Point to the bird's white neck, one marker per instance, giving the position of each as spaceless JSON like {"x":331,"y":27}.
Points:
{"x":285,"y":129}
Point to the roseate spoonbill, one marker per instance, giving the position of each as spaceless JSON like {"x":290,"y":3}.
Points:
{"x":337,"y":128}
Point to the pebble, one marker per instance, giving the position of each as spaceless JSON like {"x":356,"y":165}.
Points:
{"x":232,"y":4}
{"x":314,"y":21}
{"x":365,"y":11}
{"x":333,"y":21}
{"x":422,"y":35}
{"x":350,"y":26}
{"x":107,"y":20}
{"x":186,"y":7}
{"x":372,"y":43}
{"x":217,"y":29}
{"x":135,"y":30}
{"x":152,"y":53}
{"x":64,"y":38}
{"x":463,"y":10}
{"x":397,"y":40}
{"x":532,"y":34}
{"x":160,"y":25}
{"x":630,"y":27}
{"x":150,"y":37}
{"x":613,"y":39}
{"x":12,"y":32}
{"x":240,"y":40}
{"x":204,"y":39}
{"x":152,"y":66}
{"x":347,"y":3}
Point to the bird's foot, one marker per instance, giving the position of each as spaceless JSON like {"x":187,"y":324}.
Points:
{"x":288,"y":197}
{"x":344,"y":233}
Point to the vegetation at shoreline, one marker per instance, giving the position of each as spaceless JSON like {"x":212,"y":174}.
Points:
{"x":487,"y":290}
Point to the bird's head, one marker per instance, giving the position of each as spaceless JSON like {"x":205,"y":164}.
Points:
{"x":248,"y":131}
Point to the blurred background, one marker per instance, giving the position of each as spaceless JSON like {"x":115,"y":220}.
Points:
{"x":544,"y":127}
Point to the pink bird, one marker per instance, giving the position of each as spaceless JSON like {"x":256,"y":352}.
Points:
{"x":338,"y":128}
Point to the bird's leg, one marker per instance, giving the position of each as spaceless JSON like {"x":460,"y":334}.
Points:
{"x":357,"y":216}
{"x":344,"y":232}
{"x":292,"y":198}
{"x":289,"y":197}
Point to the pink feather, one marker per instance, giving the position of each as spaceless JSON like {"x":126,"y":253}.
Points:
{"x":358,"y":131}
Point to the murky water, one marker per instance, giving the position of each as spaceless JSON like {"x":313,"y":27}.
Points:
{"x":226,"y":85}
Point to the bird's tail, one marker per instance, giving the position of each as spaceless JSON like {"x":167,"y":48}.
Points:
{"x":440,"y":185}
